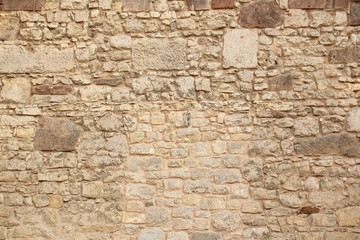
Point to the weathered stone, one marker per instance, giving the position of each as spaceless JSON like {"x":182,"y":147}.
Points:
{"x":264,"y":148}
{"x":238,"y":120}
{"x":142,"y":149}
{"x":341,"y":235}
{"x":240,"y":48}
{"x":7,"y":176}
{"x":185,"y":87}
{"x":340,"y":144}
{"x":307,"y":4}
{"x":281,"y":83}
{"x":110,"y":213}
{"x":110,"y":122}
{"x":152,"y":234}
{"x":159,"y":54}
{"x":226,"y":221}
{"x":17,"y":90}
{"x":52,"y":90}
{"x":354,"y":18}
{"x":305,"y":127}
{"x":9,"y":27}
{"x":177,"y":236}
{"x":290,"y":200}
{"x":327,"y":199}
{"x":41,"y":200}
{"x":296,"y":18}
{"x":109,"y":81}
{"x":20,"y":5}
{"x":353,"y":120}
{"x":227,"y":176}
{"x":253,"y":170}
{"x":199,"y":186}
{"x":93,"y":190}
{"x":261,"y":14}
{"x":205,"y":236}
{"x":73,"y":4}
{"x":139,"y":191}
{"x":308,"y":210}
{"x":57,"y":134}
{"x":130,"y":217}
{"x":199,"y":4}
{"x":18,"y":59}
{"x":222,"y":4}
{"x":120,"y":41}
{"x":136,"y":5}
{"x":338,"y":4}
{"x":348,"y":217}
{"x":344,"y":55}
{"x":251,"y":207}
{"x":158,"y":216}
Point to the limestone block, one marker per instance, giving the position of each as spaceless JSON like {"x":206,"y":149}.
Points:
{"x":139,"y":191}
{"x":18,"y":59}
{"x":73,"y":4}
{"x":281,"y":83}
{"x":354,"y":18}
{"x":199,"y":4}
{"x":240,"y":48}
{"x":159,"y":54}
{"x":348,"y":217}
{"x":353,"y":120}
{"x":306,"y":127}
{"x":327,"y":199}
{"x":152,"y":234}
{"x":20,"y":5}
{"x":307,"y":4}
{"x":136,"y":5}
{"x":226,"y":221}
{"x":159,"y":216}
{"x":222,"y":4}
{"x":9,"y":27}
{"x":205,"y":235}
{"x":17,"y":90}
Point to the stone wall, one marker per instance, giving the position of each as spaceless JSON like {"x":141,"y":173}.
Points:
{"x":180,"y":120}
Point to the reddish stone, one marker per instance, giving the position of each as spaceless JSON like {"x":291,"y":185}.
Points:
{"x":345,"y":55}
{"x":279,"y":83}
{"x":52,"y":90}
{"x":354,"y":18}
{"x":340,"y":4}
{"x":223,"y":4}
{"x":308,"y":210}
{"x":307,"y":4}
{"x":110,"y":82}
{"x":136,"y":5}
{"x":20,"y":5}
{"x":198,"y":5}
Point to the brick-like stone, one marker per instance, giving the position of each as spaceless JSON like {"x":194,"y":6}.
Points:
{"x":73,"y":4}
{"x":159,"y":54}
{"x":348,"y":217}
{"x":262,"y":14}
{"x":308,"y":210}
{"x":52,"y":90}
{"x":307,"y":4}
{"x":39,"y":59}
{"x":152,"y":234}
{"x":57,"y":134}
{"x":281,"y":83}
{"x":353,"y":120}
{"x":93,"y":190}
{"x":136,"y":5}
{"x":306,"y":127}
{"x":205,"y":236}
{"x":226,"y":221}
{"x":340,"y":144}
{"x":20,"y":5}
{"x":240,"y":48}
{"x":222,"y":4}
{"x":344,"y":55}
{"x":199,"y":5}
{"x":328,"y":200}
{"x":354,"y":17}
{"x":139,"y":191}
{"x":337,"y":4}
{"x":9,"y":28}
{"x":342,"y":235}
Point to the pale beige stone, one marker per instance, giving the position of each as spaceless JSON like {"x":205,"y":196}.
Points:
{"x":348,"y":217}
{"x":17,"y":90}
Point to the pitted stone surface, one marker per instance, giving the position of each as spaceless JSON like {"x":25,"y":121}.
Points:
{"x":199,"y":4}
{"x":136,"y":5}
{"x":307,"y":4}
{"x":8,"y":28}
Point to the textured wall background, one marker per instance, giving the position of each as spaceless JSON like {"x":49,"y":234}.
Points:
{"x":180,"y":120}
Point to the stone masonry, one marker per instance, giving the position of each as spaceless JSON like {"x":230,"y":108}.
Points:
{"x":180,"y":119}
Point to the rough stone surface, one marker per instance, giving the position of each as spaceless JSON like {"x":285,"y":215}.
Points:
{"x":353,"y":120}
{"x":139,"y":191}
{"x":152,"y":234}
{"x":17,"y":90}
{"x":199,"y":4}
{"x":306,"y":127}
{"x":17,"y":59}
{"x":222,"y":4}
{"x":136,"y":5}
{"x":20,"y":5}
{"x":354,"y":18}
{"x":261,"y":14}
{"x":307,"y":4}
{"x":52,"y":90}
{"x":348,"y":217}
{"x":240,"y":48}
{"x":205,"y":235}
{"x":159,"y":54}
{"x":226,"y":221}
{"x":281,"y":83}
{"x":9,"y":27}
{"x":57,"y":134}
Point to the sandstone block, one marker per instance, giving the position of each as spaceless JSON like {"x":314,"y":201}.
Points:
{"x":354,"y":18}
{"x":52,"y":90}
{"x":142,"y":149}
{"x":240,"y":48}
{"x":73,"y":4}
{"x":57,"y":134}
{"x":290,"y":200}
{"x":251,"y":207}
{"x":205,"y":236}
{"x":226,"y":221}
{"x":178,"y":236}
{"x":305,"y":127}
{"x":136,"y":5}
{"x":307,"y":4}
{"x":281,"y":83}
{"x":130,"y":217}
{"x":152,"y":234}
{"x":253,"y":170}
{"x":222,"y":4}
{"x":348,"y":217}
{"x":113,"y":82}
{"x":9,"y":27}
{"x":41,"y":200}
{"x":18,"y":59}
{"x":199,"y":186}
{"x":341,"y":235}
{"x":159,"y":54}
{"x":93,"y":190}
{"x":185,"y":87}
{"x":227,"y":176}
{"x":159,"y":216}
{"x":20,"y":5}
{"x":327,"y":199}
{"x":120,"y":41}
{"x":296,"y":18}
{"x":111,"y":122}
{"x":353,"y":120}
{"x":7,"y":176}
{"x":199,"y":4}
{"x":139,"y":191}
{"x":17,"y":90}
{"x":261,"y":14}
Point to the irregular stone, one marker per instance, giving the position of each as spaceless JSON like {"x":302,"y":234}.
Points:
{"x":238,"y":120}
{"x":338,"y":4}
{"x":159,"y":216}
{"x":222,"y":4}
{"x":348,"y":217}
{"x":340,"y":144}
{"x":9,"y":27}
{"x":130,"y":217}
{"x":17,"y":90}
{"x":354,"y":18}
{"x":142,"y":149}
{"x":264,"y":148}
{"x":110,"y":213}
{"x":253,"y":170}
{"x":251,"y":207}
{"x":261,"y":14}
{"x":290,"y":200}
{"x":307,"y":4}
{"x":327,"y":199}
{"x":20,"y":5}
{"x":281,"y":83}
{"x":93,"y":190}
{"x":296,"y":18}
{"x":199,"y":5}
{"x":57,"y":134}
{"x":52,"y":90}
{"x":227,"y":176}
{"x":341,"y":235}
{"x":41,"y":200}
{"x":152,"y":164}
{"x":73,"y":4}
{"x":308,"y":210}
{"x":159,"y":54}
{"x":113,"y":82}
{"x":136,"y":5}
{"x":305,"y":127}
{"x":120,"y":41}
{"x":185,"y":87}
{"x":105,"y":4}
{"x":152,"y":234}
{"x":117,"y":144}
{"x":200,"y":149}
{"x":199,"y":186}
{"x":353,"y":120}
{"x":7,"y":176}
{"x":240,"y":48}
{"x":39,"y":59}
{"x":205,"y":236}
{"x":110,"y":122}
{"x":226,"y":221}
{"x":177,"y":236}
{"x":344,"y":55}
{"x":139,"y":191}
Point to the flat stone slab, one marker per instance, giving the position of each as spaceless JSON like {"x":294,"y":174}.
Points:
{"x":199,"y":4}
{"x":57,"y":134}
{"x":240,"y":48}
{"x":136,"y":5}
{"x":18,"y":59}
{"x":159,"y":54}
{"x":307,"y":4}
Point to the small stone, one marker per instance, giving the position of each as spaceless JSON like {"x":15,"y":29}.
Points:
{"x":348,"y":217}
{"x":93,"y":190}
{"x":152,"y":234}
{"x":136,"y":5}
{"x":158,"y":216}
{"x":17,"y":90}
{"x":205,"y":236}
{"x":261,"y":14}
{"x":305,"y":127}
{"x":202,"y":84}
{"x":177,"y":236}
{"x":199,"y":186}
{"x":253,"y":170}
{"x":130,"y":217}
{"x":139,"y":191}
{"x":9,"y":27}
{"x":152,"y":164}
{"x":290,"y":200}
{"x":41,"y":200}
{"x":56,"y":201}
{"x":251,"y":207}
{"x":227,"y":176}
{"x":57,"y":134}
{"x":226,"y":221}
{"x":142,"y":149}
{"x":296,"y":18}
{"x":73,"y":4}
{"x":52,"y":90}
{"x":200,"y":149}
{"x":7,"y":176}
{"x":120,"y":41}
{"x":199,"y":4}
{"x":223,"y":4}
{"x":232,"y":161}
{"x":308,"y":210}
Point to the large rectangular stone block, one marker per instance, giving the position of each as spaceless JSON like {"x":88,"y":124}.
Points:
{"x":240,"y":48}
{"x":159,"y":54}
{"x":18,"y":59}
{"x":20,"y":5}
{"x":307,"y":4}
{"x":136,"y":5}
